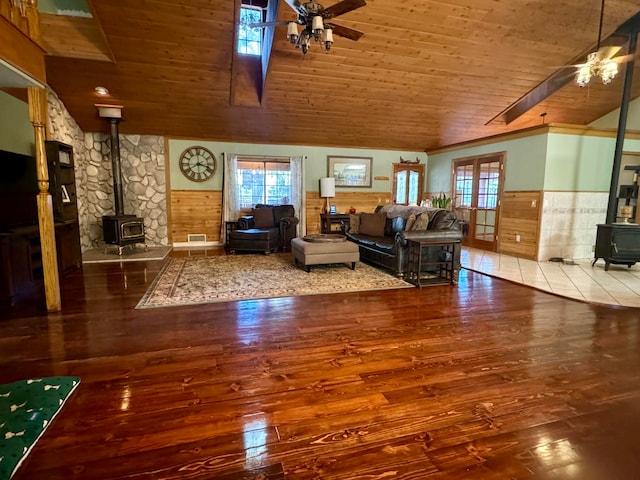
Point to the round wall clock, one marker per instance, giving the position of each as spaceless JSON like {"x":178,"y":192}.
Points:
{"x":198,"y":164}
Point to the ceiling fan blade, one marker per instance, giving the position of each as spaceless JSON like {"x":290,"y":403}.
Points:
{"x":346,"y":32}
{"x":342,"y":7}
{"x":624,"y":58}
{"x":608,"y":52}
{"x":269,"y":24}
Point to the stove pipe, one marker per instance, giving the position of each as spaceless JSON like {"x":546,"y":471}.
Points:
{"x":116,"y":167}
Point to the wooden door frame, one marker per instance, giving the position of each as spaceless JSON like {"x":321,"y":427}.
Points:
{"x":475,"y":160}
{"x":419,"y":167}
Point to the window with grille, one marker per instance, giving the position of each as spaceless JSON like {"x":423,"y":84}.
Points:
{"x":408,"y":183}
{"x":263,"y":181}
{"x":250,"y":38}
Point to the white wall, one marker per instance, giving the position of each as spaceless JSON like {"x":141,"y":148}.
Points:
{"x":525,"y":165}
{"x":611,"y":119}
{"x":16,"y":131}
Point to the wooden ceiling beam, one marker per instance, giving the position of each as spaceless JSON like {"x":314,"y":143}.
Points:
{"x":560,"y":78}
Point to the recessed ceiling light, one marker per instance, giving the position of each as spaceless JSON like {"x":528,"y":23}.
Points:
{"x":101,"y":91}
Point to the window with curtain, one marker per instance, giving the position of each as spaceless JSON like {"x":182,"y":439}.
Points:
{"x":263,"y":181}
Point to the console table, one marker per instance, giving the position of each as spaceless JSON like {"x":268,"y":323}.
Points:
{"x":444,"y":269}
{"x":617,"y":243}
{"x":330,"y":222}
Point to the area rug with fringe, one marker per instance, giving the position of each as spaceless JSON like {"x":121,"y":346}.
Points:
{"x":196,"y":280}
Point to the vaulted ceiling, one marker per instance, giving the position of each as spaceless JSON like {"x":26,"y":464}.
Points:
{"x":426,"y":73}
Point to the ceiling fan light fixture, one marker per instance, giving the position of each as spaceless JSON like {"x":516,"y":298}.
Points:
{"x":317,"y":26}
{"x":292,"y":32}
{"x":311,"y":16}
{"x":304,"y":42}
{"x":599,"y":63}
{"x":608,"y":71}
{"x":584,"y":75}
{"x":327,"y":38}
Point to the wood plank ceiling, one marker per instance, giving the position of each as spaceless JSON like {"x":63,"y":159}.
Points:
{"x":426,"y":73}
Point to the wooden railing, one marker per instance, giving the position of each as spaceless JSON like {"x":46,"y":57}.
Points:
{"x":24,"y":15}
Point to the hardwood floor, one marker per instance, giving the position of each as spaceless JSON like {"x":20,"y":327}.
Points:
{"x":489,"y":380}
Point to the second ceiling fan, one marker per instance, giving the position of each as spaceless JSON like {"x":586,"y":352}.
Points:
{"x":313,"y":16}
{"x":602,"y":63}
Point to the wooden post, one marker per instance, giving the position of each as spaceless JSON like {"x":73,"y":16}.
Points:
{"x":38,"y":117}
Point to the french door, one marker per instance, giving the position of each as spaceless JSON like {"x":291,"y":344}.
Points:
{"x":477,"y":188}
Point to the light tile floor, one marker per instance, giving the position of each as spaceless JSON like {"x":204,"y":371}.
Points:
{"x":619,"y":286}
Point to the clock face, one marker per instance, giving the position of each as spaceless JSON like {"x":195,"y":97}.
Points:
{"x":198,"y":164}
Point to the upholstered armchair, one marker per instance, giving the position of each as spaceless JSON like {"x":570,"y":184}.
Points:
{"x":270,"y":228}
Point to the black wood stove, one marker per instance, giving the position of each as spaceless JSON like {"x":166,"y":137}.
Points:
{"x":120,"y":229}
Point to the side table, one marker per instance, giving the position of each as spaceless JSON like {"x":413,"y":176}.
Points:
{"x":330,"y":222}
{"x":229,"y":227}
{"x":443,"y":270}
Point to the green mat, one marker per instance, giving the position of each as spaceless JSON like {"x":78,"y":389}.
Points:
{"x":27,"y":407}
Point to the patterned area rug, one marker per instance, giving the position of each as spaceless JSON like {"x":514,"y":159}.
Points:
{"x":195,"y":280}
{"x":27,"y":408}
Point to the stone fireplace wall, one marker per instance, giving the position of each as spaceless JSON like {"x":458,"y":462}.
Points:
{"x":143,"y":177}
{"x":143,"y":183}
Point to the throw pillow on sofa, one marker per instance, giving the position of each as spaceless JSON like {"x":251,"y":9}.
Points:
{"x":372,"y":224}
{"x":443,"y":220}
{"x":411,"y":219}
{"x":354,"y":224}
{"x":421,"y":223}
{"x":263,"y":218}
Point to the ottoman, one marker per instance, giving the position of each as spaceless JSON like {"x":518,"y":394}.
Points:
{"x":321,"y":250}
{"x":254,"y":240}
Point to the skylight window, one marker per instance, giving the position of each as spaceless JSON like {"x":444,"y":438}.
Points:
{"x":250,"y":39}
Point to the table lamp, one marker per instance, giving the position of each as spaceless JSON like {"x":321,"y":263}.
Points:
{"x":327,"y":190}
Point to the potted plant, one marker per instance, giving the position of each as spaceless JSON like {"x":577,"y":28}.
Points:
{"x":441,"y":201}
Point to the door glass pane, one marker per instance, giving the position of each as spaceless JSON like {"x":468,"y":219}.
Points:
{"x":488,"y":184}
{"x":401,"y":187}
{"x":414,"y":177}
{"x":464,"y":185}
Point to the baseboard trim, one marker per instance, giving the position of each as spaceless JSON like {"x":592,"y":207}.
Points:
{"x":195,"y":244}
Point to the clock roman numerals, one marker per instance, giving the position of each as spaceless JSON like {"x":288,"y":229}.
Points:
{"x":197,"y":164}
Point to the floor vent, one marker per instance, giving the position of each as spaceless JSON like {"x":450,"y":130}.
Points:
{"x":196,"y":237}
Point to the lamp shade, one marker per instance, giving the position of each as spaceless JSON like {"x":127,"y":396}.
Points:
{"x":328,"y":187}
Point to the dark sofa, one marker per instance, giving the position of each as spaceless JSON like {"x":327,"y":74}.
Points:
{"x":401,"y":223}
{"x":269,"y":228}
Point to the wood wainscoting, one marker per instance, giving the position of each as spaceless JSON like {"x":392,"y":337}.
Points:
{"x":199,"y":211}
{"x":195,"y":211}
{"x":520,"y":223}
{"x":361,"y":201}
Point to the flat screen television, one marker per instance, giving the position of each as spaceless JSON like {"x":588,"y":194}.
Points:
{"x":18,"y":190}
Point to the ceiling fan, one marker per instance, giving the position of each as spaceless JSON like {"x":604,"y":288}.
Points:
{"x":313,"y":16}
{"x":602,"y":62}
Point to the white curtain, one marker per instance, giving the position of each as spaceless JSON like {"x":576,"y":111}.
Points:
{"x":298,"y":193}
{"x":230,"y":210}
